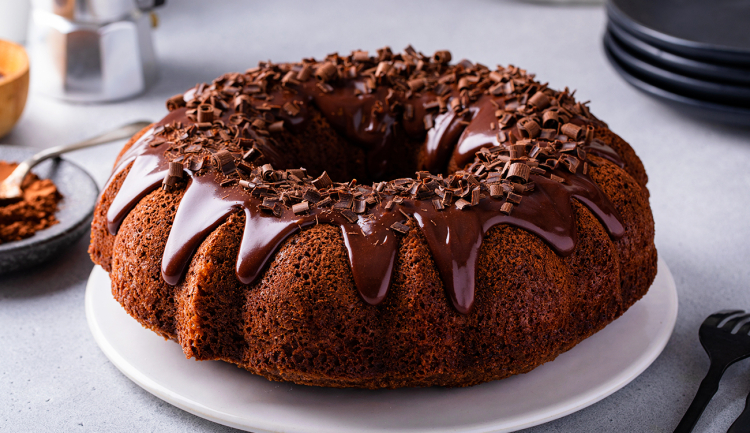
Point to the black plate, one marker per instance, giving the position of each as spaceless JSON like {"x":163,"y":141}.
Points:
{"x":693,"y":87}
{"x":678,"y":64}
{"x":708,"y":30}
{"x":76,"y":208}
{"x":694,"y":107}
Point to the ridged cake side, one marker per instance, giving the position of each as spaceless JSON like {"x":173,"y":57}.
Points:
{"x":304,"y":321}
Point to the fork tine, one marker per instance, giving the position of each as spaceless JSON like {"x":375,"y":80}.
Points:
{"x":715,"y":319}
{"x":744,"y":327}
{"x":734,"y":322}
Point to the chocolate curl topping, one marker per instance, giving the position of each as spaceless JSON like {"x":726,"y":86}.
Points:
{"x":305,"y":73}
{"x":360,"y":56}
{"x":291,"y":109}
{"x":529,"y":129}
{"x":496,"y":76}
{"x":506,"y":208}
{"x":225,"y":161}
{"x":174,"y":175}
{"x":205,"y":113}
{"x":589,"y":133}
{"x":175,"y":170}
{"x":400,"y":227}
{"x":517,"y":151}
{"x":550,"y":119}
{"x":416,"y":84}
{"x":175,"y":102}
{"x":383,"y":68}
{"x":572,"y":130}
{"x":323,"y":181}
{"x":442,"y":57}
{"x":540,"y":101}
{"x":289,"y":78}
{"x":267,"y":172}
{"x":519,"y":171}
{"x":326,"y":72}
{"x":251,"y":155}
{"x":301,"y":207}
{"x":276,"y":126}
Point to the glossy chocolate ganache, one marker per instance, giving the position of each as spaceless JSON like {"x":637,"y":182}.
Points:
{"x":411,"y":121}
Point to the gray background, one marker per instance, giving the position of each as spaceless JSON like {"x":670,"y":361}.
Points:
{"x":53,"y":377}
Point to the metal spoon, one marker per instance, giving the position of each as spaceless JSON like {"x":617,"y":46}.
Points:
{"x":10,"y":188}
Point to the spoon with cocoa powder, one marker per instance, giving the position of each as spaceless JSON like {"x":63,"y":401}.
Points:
{"x":11,"y":187}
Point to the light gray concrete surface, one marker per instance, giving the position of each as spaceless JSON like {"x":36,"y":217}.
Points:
{"x":53,"y":377}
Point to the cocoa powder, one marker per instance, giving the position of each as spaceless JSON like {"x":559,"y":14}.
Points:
{"x":36,"y":211}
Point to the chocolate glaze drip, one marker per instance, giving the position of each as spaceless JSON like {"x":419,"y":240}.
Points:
{"x":454,"y":236}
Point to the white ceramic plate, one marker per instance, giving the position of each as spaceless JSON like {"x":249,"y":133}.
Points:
{"x":223,"y":393}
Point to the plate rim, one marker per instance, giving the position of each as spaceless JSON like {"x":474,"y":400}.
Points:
{"x":713,"y":110}
{"x":687,"y":47}
{"x":592,"y":395}
{"x":709,"y":89}
{"x":676,"y":62}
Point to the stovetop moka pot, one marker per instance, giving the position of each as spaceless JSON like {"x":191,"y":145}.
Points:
{"x":92,"y":50}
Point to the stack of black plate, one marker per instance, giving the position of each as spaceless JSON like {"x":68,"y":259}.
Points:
{"x":694,"y":54}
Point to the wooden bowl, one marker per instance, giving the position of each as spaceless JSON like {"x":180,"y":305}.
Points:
{"x":14,"y":84}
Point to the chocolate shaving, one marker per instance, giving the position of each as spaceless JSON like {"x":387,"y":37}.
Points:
{"x":519,"y":171}
{"x":529,"y":129}
{"x":267,"y":172}
{"x":540,"y":101}
{"x":400,"y":227}
{"x":251,"y":155}
{"x":514,"y":198}
{"x":325,"y":87}
{"x":462,"y":204}
{"x":506,"y":208}
{"x":291,"y":109}
{"x":571,"y":130}
{"x":475,"y":195}
{"x":225,"y":161}
{"x":205,"y":113}
{"x":245,"y":184}
{"x":447,"y":198}
{"x":323,"y":181}
{"x":305,"y":73}
{"x":360,"y":56}
{"x":276,"y":126}
{"x":175,"y":102}
{"x":416,"y":84}
{"x":326,"y":72}
{"x":442,"y":57}
{"x":359,"y":207}
{"x":301,"y":207}
{"x":550,"y":119}
{"x":350,"y":216}
{"x":496,"y":191}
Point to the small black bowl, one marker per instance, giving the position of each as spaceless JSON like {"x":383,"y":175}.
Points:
{"x":79,"y":193}
{"x":708,"y":111}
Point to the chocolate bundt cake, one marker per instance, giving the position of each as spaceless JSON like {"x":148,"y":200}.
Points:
{"x":377,"y":221}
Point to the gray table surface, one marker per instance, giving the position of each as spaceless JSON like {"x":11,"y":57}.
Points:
{"x":53,"y":377}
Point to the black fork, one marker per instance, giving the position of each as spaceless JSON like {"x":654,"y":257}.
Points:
{"x":725,"y":338}
{"x":742,"y":423}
